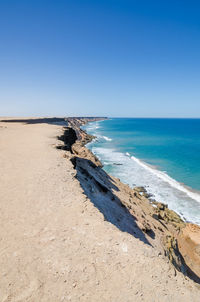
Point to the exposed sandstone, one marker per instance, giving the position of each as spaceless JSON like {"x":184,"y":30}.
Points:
{"x":170,"y":217}
{"x":81,"y":151}
{"x":189,"y":245}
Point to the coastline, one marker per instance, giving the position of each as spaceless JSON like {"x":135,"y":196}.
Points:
{"x":176,"y":244}
{"x":172,"y":191}
{"x":70,"y":232}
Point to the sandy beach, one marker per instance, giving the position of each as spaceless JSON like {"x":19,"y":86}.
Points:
{"x":57,"y":241}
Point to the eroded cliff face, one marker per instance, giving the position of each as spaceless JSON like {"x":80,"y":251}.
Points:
{"x":189,"y":245}
{"x":78,"y":147}
{"x":131,"y":209}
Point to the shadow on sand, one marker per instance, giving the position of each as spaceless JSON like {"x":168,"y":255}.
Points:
{"x":99,"y":187}
{"x":52,"y":120}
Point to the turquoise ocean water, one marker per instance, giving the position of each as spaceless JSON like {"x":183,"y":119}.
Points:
{"x":163,"y":155}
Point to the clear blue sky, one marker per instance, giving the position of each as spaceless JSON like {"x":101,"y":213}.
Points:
{"x":110,"y":58}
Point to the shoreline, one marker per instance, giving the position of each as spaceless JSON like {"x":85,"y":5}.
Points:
{"x":176,"y":189}
{"x":173,"y":243}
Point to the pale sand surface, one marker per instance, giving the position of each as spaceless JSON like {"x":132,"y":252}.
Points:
{"x":56,"y":246}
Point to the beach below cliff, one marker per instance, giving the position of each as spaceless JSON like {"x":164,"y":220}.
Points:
{"x":71,"y":232}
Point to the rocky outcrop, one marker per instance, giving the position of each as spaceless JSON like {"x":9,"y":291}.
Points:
{"x":76,"y":124}
{"x":75,"y":139}
{"x":82,"y":152}
{"x":173,"y":253}
{"x":189,"y":245}
{"x":168,"y":216}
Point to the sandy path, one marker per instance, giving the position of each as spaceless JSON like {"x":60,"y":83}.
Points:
{"x":56,"y":246}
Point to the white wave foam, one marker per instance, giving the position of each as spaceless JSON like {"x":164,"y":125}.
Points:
{"x":163,"y":188}
{"x":102,"y":137}
{"x":91,"y":126}
{"x":107,"y":138}
{"x":168,"y":179}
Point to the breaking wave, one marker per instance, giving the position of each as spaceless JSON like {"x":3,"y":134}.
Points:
{"x":159,"y":184}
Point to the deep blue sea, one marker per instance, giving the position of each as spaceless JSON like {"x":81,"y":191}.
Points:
{"x":163,"y":155}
